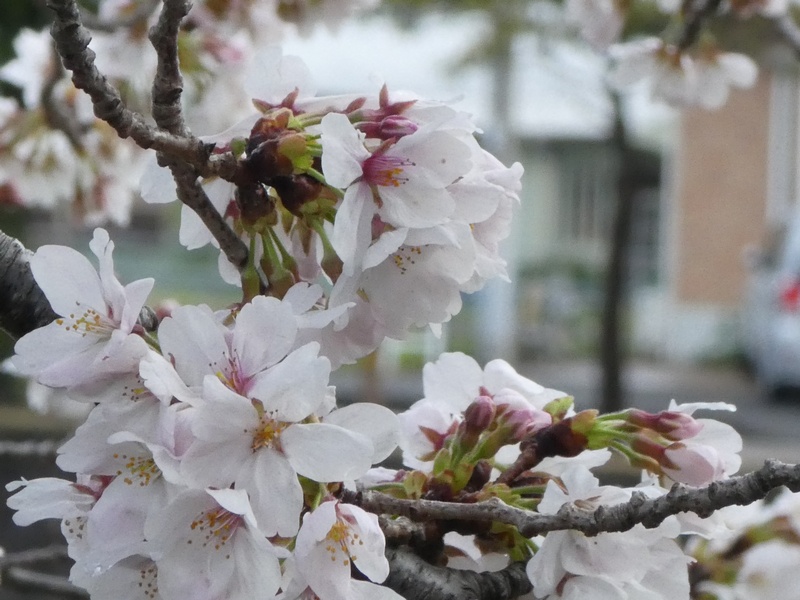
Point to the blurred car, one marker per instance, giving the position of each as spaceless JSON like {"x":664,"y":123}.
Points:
{"x":771,"y":310}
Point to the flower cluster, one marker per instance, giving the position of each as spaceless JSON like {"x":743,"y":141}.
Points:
{"x":702,"y":78}
{"x":214,"y":461}
{"x":54,"y":151}
{"x":387,"y":202}
{"x":213,"y":450}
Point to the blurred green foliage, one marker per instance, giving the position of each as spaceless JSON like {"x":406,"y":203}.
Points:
{"x":14,"y":15}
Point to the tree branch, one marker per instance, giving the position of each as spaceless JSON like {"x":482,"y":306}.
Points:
{"x":649,"y":512}
{"x":72,"y":42}
{"x":786,"y":26}
{"x":415,"y":579}
{"x":168,"y":82}
{"x":695,"y":13}
{"x":23,"y":306}
{"x":191,"y":193}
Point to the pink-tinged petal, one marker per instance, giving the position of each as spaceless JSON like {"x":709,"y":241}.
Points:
{"x":303,"y":297}
{"x":326,"y":452}
{"x":192,"y":233}
{"x":115,"y":524}
{"x":234,"y":501}
{"x":193,"y":341}
{"x":352,"y":229}
{"x":316,"y":525}
{"x":222,"y":446}
{"x":439,"y":152}
{"x":275,"y":493}
{"x":67,"y":279}
{"x":264,"y":333}
{"x":375,"y":422}
{"x":343,"y":151}
{"x":295,"y":387}
{"x":196,"y":563}
{"x":56,"y":350}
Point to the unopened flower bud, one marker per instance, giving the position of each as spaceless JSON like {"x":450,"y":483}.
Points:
{"x":672,"y":425}
{"x":392,"y":127}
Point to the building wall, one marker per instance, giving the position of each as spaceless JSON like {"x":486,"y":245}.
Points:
{"x":721,"y":197}
{"x":717,"y":208}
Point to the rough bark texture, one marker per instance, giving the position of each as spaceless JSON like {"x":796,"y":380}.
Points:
{"x":413,"y":578}
{"x":23,"y":306}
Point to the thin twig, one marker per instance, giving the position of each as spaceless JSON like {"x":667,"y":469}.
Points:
{"x":696,"y":13}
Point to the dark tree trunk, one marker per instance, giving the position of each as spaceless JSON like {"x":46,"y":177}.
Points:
{"x":611,"y":343}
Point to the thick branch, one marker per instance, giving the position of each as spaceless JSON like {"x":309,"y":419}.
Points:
{"x":23,"y":306}
{"x":415,"y":579}
{"x":703,"y":501}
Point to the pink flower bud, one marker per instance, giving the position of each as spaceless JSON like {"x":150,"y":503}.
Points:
{"x":671,"y":424}
{"x":479,"y":414}
{"x":391,"y":127}
{"x":694,"y":464}
{"x":515,"y":414}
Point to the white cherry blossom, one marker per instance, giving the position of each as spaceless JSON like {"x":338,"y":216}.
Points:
{"x":94,"y":333}
{"x":332,"y":537}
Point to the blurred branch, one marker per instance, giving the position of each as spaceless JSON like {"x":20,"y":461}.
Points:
{"x":30,"y":448}
{"x":57,"y":113}
{"x":787,"y":27}
{"x":188,"y":157}
{"x":24,"y":577}
{"x":695,"y":13}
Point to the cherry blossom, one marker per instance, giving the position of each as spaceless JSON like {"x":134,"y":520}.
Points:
{"x":209,"y":546}
{"x":332,"y":537}
{"x":94,"y":334}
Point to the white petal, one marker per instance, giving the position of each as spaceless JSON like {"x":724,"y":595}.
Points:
{"x":373,"y":421}
{"x":294,"y":388}
{"x":264,"y":333}
{"x":68,"y":279}
{"x":326,"y":452}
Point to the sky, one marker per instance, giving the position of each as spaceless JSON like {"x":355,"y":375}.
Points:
{"x":559,"y":89}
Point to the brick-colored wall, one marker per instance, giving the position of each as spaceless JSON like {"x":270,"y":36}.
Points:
{"x":720,"y":196}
